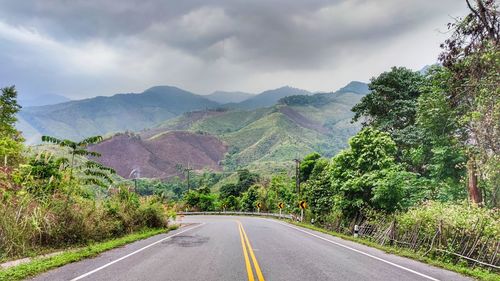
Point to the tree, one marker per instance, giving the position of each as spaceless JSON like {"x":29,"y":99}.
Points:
{"x":367,"y":165}
{"x":439,"y":152}
{"x":8,"y":110}
{"x":472,"y":56}
{"x":246,"y":179}
{"x":391,"y":105}
{"x":307,"y":165}
{"x":249,"y":199}
{"x":319,"y":191}
{"x":10,"y":139}
{"x":229,"y":189}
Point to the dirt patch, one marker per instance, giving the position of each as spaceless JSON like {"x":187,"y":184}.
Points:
{"x":157,"y":157}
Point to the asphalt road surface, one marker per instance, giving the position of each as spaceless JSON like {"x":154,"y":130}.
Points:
{"x":221,"y":248}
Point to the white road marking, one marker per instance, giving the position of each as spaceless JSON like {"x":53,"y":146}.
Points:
{"x":133,"y":253}
{"x":358,"y":251}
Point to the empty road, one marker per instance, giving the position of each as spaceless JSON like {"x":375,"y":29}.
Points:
{"x":232,"y":248}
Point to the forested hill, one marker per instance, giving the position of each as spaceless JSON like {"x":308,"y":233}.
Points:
{"x":264,"y":139}
{"x":133,"y":112}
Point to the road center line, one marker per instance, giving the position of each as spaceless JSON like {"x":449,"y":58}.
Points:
{"x":133,"y":253}
{"x":260,"y":276}
{"x":245,"y":254}
{"x":358,"y":251}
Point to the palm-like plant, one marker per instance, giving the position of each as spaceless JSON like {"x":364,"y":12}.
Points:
{"x":76,"y":148}
{"x":98,"y":174}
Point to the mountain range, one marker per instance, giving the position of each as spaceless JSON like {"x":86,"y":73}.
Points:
{"x":165,"y":126}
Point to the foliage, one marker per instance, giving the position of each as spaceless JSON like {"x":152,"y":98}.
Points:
{"x":366,"y":175}
{"x":246,"y":179}
{"x":472,"y":58}
{"x":95,"y":173}
{"x":391,"y":104}
{"x":307,"y":165}
{"x":8,"y":110}
{"x":200,"y":200}
{"x":249,"y":199}
{"x":304,"y":100}
{"x":319,"y":192}
{"x":28,"y":223}
{"x":10,"y":139}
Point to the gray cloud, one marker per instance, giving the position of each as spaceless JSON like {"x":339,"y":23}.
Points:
{"x":84,"y":48}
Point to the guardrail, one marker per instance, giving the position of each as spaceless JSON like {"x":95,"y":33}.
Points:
{"x":257,"y":214}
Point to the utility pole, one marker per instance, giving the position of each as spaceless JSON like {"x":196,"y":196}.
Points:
{"x":297,"y":175}
{"x":188,"y":170}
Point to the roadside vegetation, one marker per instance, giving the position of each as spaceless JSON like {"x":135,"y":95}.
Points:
{"x":49,"y":201}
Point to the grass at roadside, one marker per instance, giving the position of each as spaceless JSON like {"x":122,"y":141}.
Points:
{"x":40,"y":265}
{"x":478,"y":273}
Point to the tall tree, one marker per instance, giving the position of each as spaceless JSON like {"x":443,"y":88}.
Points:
{"x":391,"y":105}
{"x":8,"y":110}
{"x":472,"y":55}
{"x":10,"y":138}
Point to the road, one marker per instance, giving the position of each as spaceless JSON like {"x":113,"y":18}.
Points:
{"x":232,"y":248}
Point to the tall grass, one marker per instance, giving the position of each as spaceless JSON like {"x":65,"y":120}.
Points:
{"x":29,"y":224}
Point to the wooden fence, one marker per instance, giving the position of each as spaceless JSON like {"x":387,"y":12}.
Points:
{"x":462,"y":245}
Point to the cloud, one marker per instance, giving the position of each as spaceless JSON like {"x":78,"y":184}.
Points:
{"x":84,"y":48}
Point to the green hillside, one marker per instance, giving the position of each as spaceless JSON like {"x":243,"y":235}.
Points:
{"x":104,"y":115}
{"x":270,"y":138}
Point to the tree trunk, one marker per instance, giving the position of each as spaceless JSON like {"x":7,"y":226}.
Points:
{"x":474,"y":192}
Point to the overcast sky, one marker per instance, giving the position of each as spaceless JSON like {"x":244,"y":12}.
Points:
{"x":83,"y":48}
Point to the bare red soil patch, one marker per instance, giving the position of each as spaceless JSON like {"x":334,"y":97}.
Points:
{"x":158,"y":156}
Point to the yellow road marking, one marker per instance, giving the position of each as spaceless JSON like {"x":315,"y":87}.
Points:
{"x":252,"y":254}
{"x":255,"y":263}
{"x":245,"y":254}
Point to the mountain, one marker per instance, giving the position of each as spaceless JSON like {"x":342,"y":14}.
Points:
{"x":42,"y":100}
{"x":355,"y":87}
{"x":118,"y":113}
{"x":268,"y":98}
{"x":223,"y":97}
{"x":268,"y":139}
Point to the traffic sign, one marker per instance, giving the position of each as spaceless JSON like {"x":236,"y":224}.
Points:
{"x":303,"y":204}
{"x":259,"y":205}
{"x":281,"y":205}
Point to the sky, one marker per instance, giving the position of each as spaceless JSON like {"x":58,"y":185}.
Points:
{"x":85,"y":48}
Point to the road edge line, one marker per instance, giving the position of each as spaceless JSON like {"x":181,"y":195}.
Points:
{"x":358,"y":251}
{"x":131,"y":254}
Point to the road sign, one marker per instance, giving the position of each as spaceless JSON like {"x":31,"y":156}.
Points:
{"x":303,"y":204}
{"x":259,"y":205}
{"x":281,"y":205}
